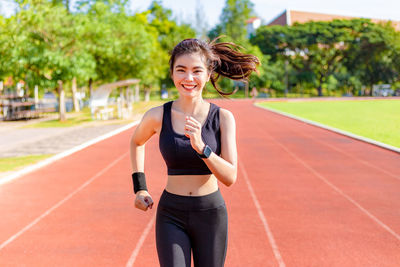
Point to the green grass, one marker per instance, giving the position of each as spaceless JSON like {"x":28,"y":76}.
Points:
{"x":14,"y":163}
{"x":141,"y":107}
{"x":374,"y":119}
{"x":73,"y":119}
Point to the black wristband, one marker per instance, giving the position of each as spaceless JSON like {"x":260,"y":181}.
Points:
{"x":139,"y":181}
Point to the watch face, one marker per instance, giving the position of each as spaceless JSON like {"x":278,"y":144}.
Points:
{"x":207,"y":151}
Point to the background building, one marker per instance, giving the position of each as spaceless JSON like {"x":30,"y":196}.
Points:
{"x":252,"y":25}
{"x":289,"y":17}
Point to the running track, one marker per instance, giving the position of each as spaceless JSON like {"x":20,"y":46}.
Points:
{"x":304,"y":197}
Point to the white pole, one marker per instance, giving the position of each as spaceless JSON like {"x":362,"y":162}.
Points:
{"x":137,"y":96}
{"x":36,"y":96}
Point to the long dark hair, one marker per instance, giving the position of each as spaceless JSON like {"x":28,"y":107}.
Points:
{"x":222,"y":59}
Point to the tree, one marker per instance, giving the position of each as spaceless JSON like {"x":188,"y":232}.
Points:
{"x":44,"y":44}
{"x":314,"y":47}
{"x":5,"y":48}
{"x":233,"y":20}
{"x":169,"y":34}
{"x":322,"y":52}
{"x":271,"y":75}
{"x":66,"y":3}
{"x":201,"y":24}
{"x":373,"y":54}
{"x":48,"y":54}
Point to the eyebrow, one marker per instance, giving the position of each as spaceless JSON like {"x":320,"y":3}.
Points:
{"x":182,"y":66}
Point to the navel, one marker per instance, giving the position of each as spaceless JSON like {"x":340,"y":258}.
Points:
{"x":190,"y":193}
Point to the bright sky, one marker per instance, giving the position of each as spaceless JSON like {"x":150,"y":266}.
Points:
{"x":267,"y":9}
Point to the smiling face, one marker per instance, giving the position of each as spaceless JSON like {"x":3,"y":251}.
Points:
{"x":190,"y":74}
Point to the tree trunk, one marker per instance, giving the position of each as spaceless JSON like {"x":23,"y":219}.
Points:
{"x":286,"y":78}
{"x":246,"y":89}
{"x":26,"y":87}
{"x":90,"y":87}
{"x":61,"y":101}
{"x":74,"y":98}
{"x":67,"y":5}
{"x":319,"y":90}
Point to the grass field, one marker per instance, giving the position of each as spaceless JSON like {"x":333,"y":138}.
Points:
{"x":374,"y":119}
{"x":14,"y":163}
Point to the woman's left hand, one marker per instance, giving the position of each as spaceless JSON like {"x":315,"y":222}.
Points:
{"x":193,"y":131}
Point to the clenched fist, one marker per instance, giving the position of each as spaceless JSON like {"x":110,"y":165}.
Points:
{"x":193,"y":131}
{"x":143,"y":200}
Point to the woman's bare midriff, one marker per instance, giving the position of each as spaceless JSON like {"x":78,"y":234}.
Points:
{"x":192,"y":185}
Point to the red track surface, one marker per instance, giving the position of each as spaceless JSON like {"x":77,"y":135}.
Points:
{"x":304,"y":197}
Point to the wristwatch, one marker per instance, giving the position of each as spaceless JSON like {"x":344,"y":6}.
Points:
{"x":206,"y":152}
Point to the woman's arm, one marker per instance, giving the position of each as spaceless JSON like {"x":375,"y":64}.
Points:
{"x":224,"y":167}
{"x":149,"y":125}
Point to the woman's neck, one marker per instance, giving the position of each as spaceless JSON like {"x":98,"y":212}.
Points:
{"x":190,"y":106}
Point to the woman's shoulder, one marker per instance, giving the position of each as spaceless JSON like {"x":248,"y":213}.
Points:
{"x":226,"y":115}
{"x":154,"y":114}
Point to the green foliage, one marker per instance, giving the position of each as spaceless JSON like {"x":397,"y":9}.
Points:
{"x":44,"y":42}
{"x":339,"y":53}
{"x":374,"y":54}
{"x":43,"y":53}
{"x":121,"y":45}
{"x":169,"y":34}
{"x":233,"y":20}
{"x":5,"y":48}
{"x":269,"y":76}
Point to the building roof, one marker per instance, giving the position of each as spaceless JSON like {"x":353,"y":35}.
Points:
{"x":251,"y":20}
{"x":289,"y":17}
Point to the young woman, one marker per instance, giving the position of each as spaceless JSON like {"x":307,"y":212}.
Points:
{"x":198,"y":144}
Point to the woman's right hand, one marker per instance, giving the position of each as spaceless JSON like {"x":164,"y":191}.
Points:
{"x":143,"y":200}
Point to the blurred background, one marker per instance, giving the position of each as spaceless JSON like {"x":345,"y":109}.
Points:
{"x":106,"y":55}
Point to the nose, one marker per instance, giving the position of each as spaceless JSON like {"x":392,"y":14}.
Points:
{"x":189,"y":76}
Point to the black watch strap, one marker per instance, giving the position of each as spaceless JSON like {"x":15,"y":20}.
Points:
{"x":206,"y":152}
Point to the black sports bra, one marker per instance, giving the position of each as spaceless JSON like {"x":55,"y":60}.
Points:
{"x":180,"y":157}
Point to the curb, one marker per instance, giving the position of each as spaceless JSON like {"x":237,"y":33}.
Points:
{"x":64,"y":154}
{"x":332,"y":129}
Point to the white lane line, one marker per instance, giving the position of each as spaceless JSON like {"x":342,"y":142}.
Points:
{"x":337,"y":149}
{"x":333,"y":129}
{"x":355,"y":203}
{"x":271,"y":239}
{"x":61,"y":155}
{"x":366,"y":163}
{"x":139,"y":244}
{"x":47,"y":212}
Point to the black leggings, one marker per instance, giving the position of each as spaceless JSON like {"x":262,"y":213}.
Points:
{"x":185,"y":223}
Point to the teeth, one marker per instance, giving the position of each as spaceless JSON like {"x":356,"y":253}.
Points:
{"x":189,"y":86}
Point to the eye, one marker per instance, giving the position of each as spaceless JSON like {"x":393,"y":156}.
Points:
{"x":180,"y":70}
